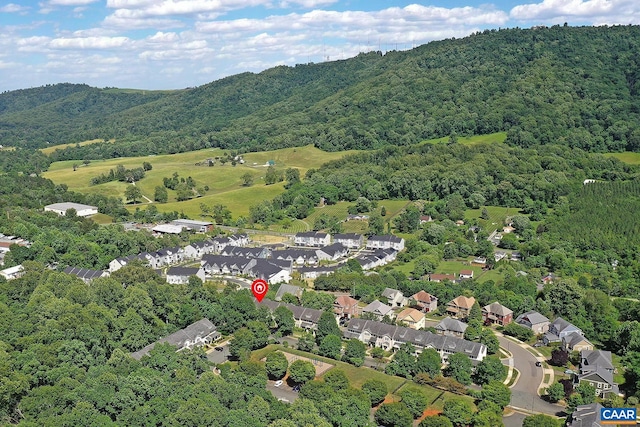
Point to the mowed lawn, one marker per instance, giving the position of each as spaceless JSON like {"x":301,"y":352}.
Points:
{"x":497,"y":216}
{"x":224,"y":181}
{"x":629,"y":157}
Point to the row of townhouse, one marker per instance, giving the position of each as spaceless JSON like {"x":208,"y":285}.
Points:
{"x":378,"y":258}
{"x":175,"y":255}
{"x":350,"y":240}
{"x":304,"y":317}
{"x":270,"y":270}
{"x":196,"y":334}
{"x":390,"y":337}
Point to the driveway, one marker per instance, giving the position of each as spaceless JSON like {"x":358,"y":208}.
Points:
{"x":524,"y":394}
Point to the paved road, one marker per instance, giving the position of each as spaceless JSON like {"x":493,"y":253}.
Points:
{"x":524,"y":394}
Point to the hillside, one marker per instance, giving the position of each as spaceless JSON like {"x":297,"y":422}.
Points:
{"x":574,"y":86}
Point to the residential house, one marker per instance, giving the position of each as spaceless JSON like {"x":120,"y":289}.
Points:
{"x":451,"y":327}
{"x":332,"y":252}
{"x":499,"y":255}
{"x":516,"y":256}
{"x":196,"y":334}
{"x":197,"y":226}
{"x":272,"y":273}
{"x":385,"y":242}
{"x":315,"y":272}
{"x":357,"y":217}
{"x":576,"y":342}
{"x":350,"y":240}
{"x":596,"y":369}
{"x":197,"y":250}
{"x":424,"y":301}
{"x":239,"y":239}
{"x":460,"y":306}
{"x":413,"y":318}
{"x":306,"y":318}
{"x":345,"y":306}
{"x":394,"y":297}
{"x":85,"y":274}
{"x":223,"y":265}
{"x":180,"y":275}
{"x":296,"y":291}
{"x":378,"y":310}
{"x":118,"y":263}
{"x":586,"y":416}
{"x":479,"y":261}
{"x":376,"y":259}
{"x":12,"y":272}
{"x":390,"y":337}
{"x":535,"y":321}
{"x":241,"y":251}
{"x":497,"y":314}
{"x":166,"y":256}
{"x":435,"y":277}
{"x":425,"y":218}
{"x":466,"y":274}
{"x":62,"y":208}
{"x":297,"y":256}
{"x":312,"y":238}
{"x":558,"y":329}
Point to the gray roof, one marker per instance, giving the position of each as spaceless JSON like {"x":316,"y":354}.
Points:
{"x":182,"y":271}
{"x":560,"y":325}
{"x":497,"y":308}
{"x":533,"y":317}
{"x":574,"y":338}
{"x":449,"y":324}
{"x":231,"y":250}
{"x":84,"y":273}
{"x":231,"y":262}
{"x":604,"y":374}
{"x":69,"y":205}
{"x":262,"y":268}
{"x":423,"y":339}
{"x":390,"y":293}
{"x":316,"y":234}
{"x":593,"y":358}
{"x":288,"y":289}
{"x":190,"y":222}
{"x":586,"y":416}
{"x":378,"y":306}
{"x":308,"y":316}
{"x":319,"y":269}
{"x":202,"y":328}
{"x":347,"y":236}
{"x":294,"y":254}
{"x":386,"y":238}
{"x":333,"y":249}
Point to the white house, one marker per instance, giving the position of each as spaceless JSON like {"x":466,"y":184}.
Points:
{"x":312,"y":238}
{"x":350,"y":240}
{"x":332,"y":252}
{"x":191,"y":225}
{"x":385,"y":242}
{"x":180,"y":275}
{"x":62,"y":208}
{"x":378,"y":310}
{"x":12,"y":272}
{"x":395,"y":297}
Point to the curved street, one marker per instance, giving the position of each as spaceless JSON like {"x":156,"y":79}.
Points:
{"x":524,"y":393}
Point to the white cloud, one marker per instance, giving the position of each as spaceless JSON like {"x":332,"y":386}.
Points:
{"x":88,"y":42}
{"x":553,"y":8}
{"x":71,"y":2}
{"x":13,"y":8}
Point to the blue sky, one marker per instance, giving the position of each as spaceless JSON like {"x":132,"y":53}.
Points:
{"x":172,"y":44}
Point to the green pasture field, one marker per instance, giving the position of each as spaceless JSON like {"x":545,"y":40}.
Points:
{"x":53,"y":148}
{"x":339,"y":210}
{"x":224,"y":181}
{"x":629,"y":157}
{"x":497,"y":216}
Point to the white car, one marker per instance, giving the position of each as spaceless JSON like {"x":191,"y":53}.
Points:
{"x":278,"y":383}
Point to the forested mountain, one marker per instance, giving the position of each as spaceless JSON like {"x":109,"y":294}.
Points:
{"x":574,"y":86}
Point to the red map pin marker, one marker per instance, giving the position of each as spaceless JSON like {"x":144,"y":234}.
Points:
{"x":259,"y":288}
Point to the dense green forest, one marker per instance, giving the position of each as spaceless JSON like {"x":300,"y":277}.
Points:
{"x":573,"y":86}
{"x":452,"y":176}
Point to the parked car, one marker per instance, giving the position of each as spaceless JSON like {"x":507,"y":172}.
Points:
{"x":219,"y":348}
{"x":569,"y":371}
{"x":538,"y":344}
{"x":296,"y":388}
{"x":278,"y":383}
{"x":538,"y":364}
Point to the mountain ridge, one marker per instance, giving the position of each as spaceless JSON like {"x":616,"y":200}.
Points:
{"x":571,"y":85}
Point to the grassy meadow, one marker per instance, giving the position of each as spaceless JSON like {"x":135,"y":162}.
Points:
{"x":224,"y":181}
{"x":491,"y":138}
{"x":53,"y":148}
{"x":629,"y":157}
